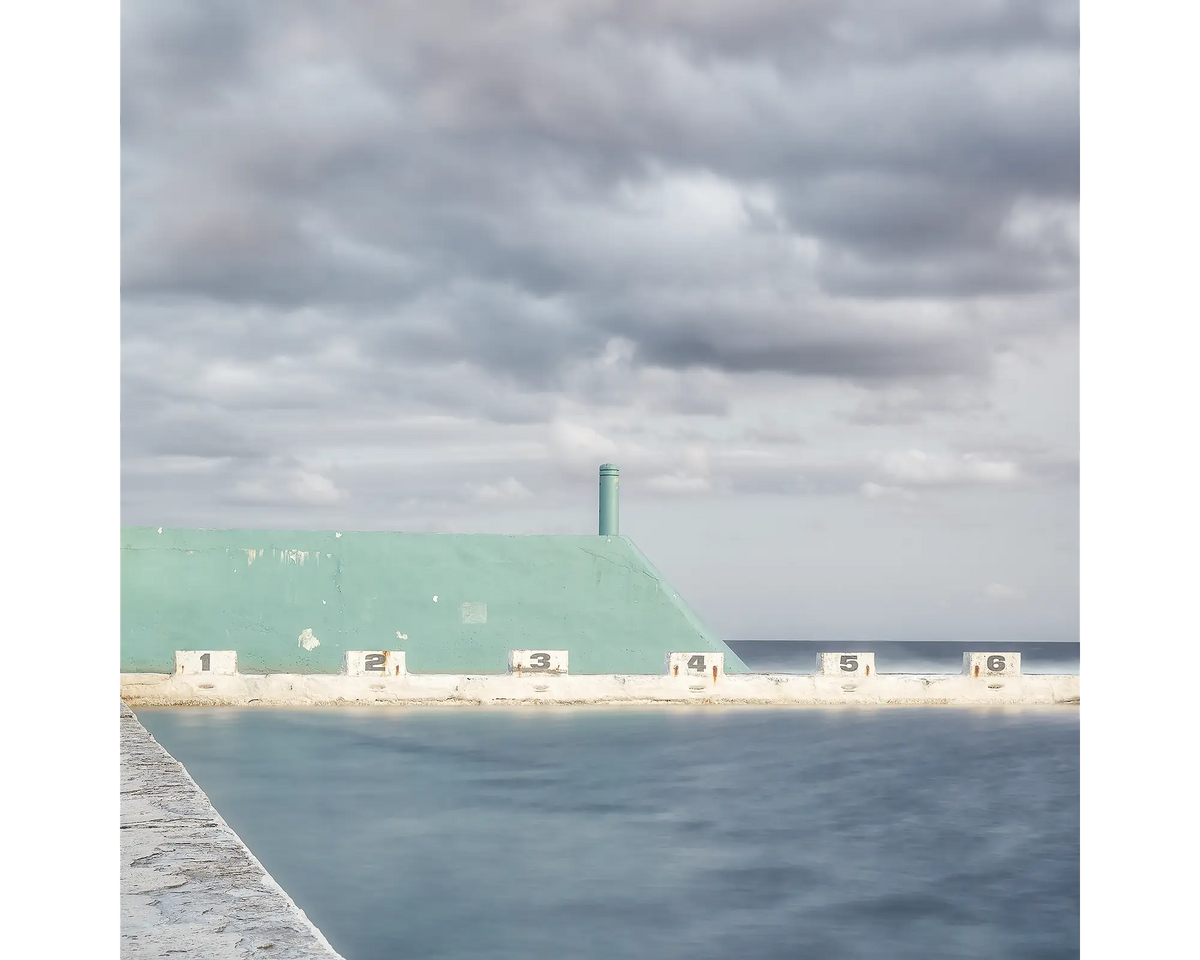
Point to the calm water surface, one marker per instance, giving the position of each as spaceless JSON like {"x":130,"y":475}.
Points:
{"x":741,"y":834}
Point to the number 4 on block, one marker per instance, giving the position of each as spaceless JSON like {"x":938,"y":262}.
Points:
{"x":701,"y":664}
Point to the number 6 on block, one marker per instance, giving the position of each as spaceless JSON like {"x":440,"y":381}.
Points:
{"x":1005,"y":664}
{"x":696,"y":664}
{"x":375,"y":663}
{"x":537,"y":661}
{"x":220,"y":662}
{"x":846,"y":664}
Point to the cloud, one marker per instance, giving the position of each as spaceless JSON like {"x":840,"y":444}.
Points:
{"x":580,"y":445}
{"x":877,"y":491}
{"x":675,"y":485}
{"x":1000,"y":591}
{"x":917,"y":468}
{"x":816,"y":192}
{"x":691,"y":475}
{"x":295,"y":485}
{"x":909,"y":404}
{"x":508,"y":490}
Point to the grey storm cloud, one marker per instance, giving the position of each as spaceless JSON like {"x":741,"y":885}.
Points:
{"x":763,"y":186}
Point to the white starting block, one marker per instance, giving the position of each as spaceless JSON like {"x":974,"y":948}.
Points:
{"x":703,"y":664}
{"x":375,"y":663}
{"x":992,"y":664}
{"x":537,"y":661}
{"x":846,"y":664}
{"x":220,"y":662}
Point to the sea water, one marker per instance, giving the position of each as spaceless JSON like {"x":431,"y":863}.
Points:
{"x":902,"y":656}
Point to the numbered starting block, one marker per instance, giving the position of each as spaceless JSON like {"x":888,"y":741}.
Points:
{"x":706,"y":664}
{"x":220,"y":662}
{"x":375,"y":663}
{"x":521,"y":662}
{"x":992,"y":664}
{"x":846,"y":664}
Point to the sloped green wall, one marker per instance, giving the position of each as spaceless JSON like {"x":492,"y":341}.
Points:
{"x":257,"y":591}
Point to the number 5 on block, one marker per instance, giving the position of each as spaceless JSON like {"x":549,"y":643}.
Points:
{"x":846,"y":664}
{"x":537,"y":661}
{"x":221,"y":662}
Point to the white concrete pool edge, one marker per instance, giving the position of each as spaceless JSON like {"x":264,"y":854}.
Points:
{"x":153,"y":689}
{"x":190,"y":887}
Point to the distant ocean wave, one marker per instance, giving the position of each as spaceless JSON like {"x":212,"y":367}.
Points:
{"x":901,"y":656}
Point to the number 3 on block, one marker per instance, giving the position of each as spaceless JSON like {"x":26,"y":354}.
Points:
{"x":537,"y":661}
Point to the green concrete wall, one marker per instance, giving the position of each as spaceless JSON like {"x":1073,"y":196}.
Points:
{"x":257,"y":591}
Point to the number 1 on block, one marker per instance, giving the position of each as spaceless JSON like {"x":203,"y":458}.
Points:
{"x":205,"y":662}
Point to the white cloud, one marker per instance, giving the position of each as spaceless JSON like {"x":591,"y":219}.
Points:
{"x":915,"y":467}
{"x":297,"y":486}
{"x":1002,"y":591}
{"x":508,"y":490}
{"x":690,"y":476}
{"x":580,"y":445}
{"x":877,"y":491}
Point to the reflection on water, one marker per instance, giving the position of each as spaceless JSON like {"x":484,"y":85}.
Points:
{"x":547,"y":833}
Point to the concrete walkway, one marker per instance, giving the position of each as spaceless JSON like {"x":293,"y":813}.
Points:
{"x":796,"y":690}
{"x":189,"y":886}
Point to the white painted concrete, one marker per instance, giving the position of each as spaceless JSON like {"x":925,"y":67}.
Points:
{"x":210,"y":662}
{"x":375,"y":663}
{"x":696,"y":664}
{"x":846,"y":665}
{"x":189,"y":887}
{"x":998,"y":663}
{"x":521,"y":662}
{"x":761,"y":689}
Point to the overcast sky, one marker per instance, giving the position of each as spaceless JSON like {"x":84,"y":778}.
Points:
{"x":808,"y":272}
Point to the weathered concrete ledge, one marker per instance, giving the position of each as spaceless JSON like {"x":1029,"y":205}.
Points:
{"x":153,"y":689}
{"x":189,"y":886}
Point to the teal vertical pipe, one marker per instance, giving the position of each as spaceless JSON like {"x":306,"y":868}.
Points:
{"x":610,"y":479}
